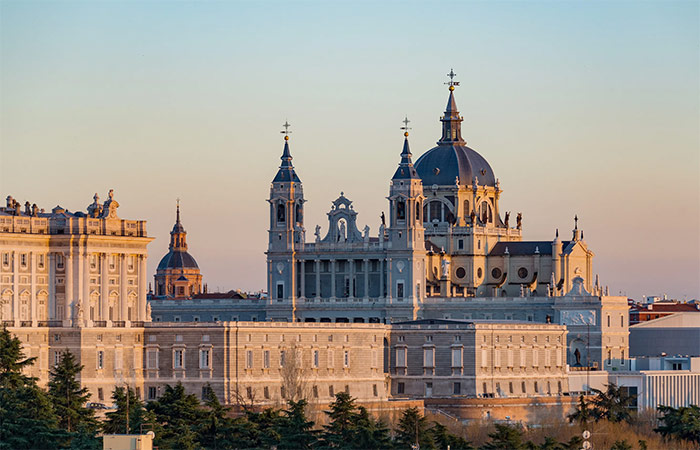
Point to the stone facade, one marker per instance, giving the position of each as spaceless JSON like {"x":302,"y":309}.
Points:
{"x":71,"y":269}
{"x":443,"y":358}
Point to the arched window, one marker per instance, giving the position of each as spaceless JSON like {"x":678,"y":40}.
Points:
{"x":435,"y":211}
{"x":485,"y":213}
{"x":418,"y":211}
{"x":401,"y":210}
{"x":280,"y":213}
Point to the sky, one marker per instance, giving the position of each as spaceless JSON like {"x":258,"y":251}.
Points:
{"x":581,"y":108}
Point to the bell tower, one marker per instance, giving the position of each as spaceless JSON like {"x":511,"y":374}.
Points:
{"x":406,"y":232}
{"x":286,"y":233}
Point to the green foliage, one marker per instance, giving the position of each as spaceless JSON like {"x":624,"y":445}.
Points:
{"x":68,"y":397}
{"x":443,"y":438}
{"x":139,"y":417}
{"x":370,"y":432}
{"x":178,"y":413}
{"x":27,"y":419}
{"x":12,"y":361}
{"x":413,"y":429}
{"x":681,"y":423}
{"x":506,"y":437}
{"x":294,"y":429}
{"x":339,"y":431}
{"x":613,"y":404}
{"x":583,"y":413}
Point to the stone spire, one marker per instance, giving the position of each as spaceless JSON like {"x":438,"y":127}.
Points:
{"x":178,"y":236}
{"x":451,"y":121}
{"x":406,"y":169}
{"x":286,"y":171}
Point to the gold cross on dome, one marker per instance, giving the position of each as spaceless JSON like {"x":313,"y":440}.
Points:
{"x":452,"y":76}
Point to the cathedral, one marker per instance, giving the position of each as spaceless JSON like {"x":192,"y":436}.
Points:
{"x":445,"y":238}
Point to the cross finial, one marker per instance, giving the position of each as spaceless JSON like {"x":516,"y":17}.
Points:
{"x":405,"y":126}
{"x":576,"y":222}
{"x":452,"y":83}
{"x":178,"y":210}
{"x":286,"y":131}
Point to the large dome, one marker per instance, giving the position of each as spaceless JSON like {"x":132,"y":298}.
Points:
{"x":443,"y":164}
{"x":177,"y":260}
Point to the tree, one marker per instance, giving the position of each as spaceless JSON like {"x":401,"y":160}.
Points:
{"x":681,"y":423}
{"x":505,"y":437}
{"x":12,"y":362}
{"x":294,"y":429}
{"x":178,"y":413}
{"x":27,"y":418}
{"x":370,"y":432}
{"x":131,"y":407}
{"x":582,"y":414}
{"x":263,"y":430}
{"x":413,"y":429}
{"x":293,"y":377}
{"x":68,"y":397}
{"x":613,"y":404}
{"x":621,"y":445}
{"x":444,"y":439}
{"x":339,"y":431}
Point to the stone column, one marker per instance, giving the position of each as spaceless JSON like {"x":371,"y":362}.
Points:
{"x":302,"y":275}
{"x":381,"y":278}
{"x":15,"y":287}
{"x":122,"y":287}
{"x":351,"y":278}
{"x":104,"y":287}
{"x":332,"y":262}
{"x":68,"y":264}
{"x":390,"y":286}
{"x":85,"y":290}
{"x":51,"y":261}
{"x":33,"y":299}
{"x":366,"y":267}
{"x":318,"y":278}
{"x":142,"y":288}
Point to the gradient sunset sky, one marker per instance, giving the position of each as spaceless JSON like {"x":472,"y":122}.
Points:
{"x":588,"y":108}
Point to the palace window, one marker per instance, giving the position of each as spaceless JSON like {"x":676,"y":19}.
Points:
{"x":249,"y":359}
{"x":346,"y":359}
{"x":457,"y":357}
{"x":401,"y":210}
{"x":179,"y":359}
{"x":100,"y":359}
{"x":266,"y":359}
{"x":429,"y":357}
{"x":204,"y":359}
{"x":23,"y":260}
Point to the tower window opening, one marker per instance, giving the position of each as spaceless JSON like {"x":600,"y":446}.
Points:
{"x":280,"y":213}
{"x":401,"y":210}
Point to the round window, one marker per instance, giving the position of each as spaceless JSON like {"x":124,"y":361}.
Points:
{"x":522,"y":272}
{"x":479,"y":272}
{"x":496,"y":273}
{"x":460,"y":272}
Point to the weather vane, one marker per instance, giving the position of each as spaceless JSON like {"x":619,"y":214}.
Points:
{"x":286,"y":131}
{"x":452,"y":81}
{"x":405,"y":126}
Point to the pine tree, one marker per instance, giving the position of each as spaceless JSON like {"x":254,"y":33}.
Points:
{"x":370,"y":432}
{"x":413,"y":429}
{"x":179,"y":414}
{"x":27,"y":418}
{"x":443,"y":438}
{"x":12,"y":362}
{"x":139,"y":418}
{"x":505,"y":438}
{"x":68,"y":397}
{"x":340,"y":429}
{"x":294,"y":429}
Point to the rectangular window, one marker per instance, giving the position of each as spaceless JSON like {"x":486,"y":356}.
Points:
{"x":374,"y":390}
{"x":331,"y":391}
{"x":401,"y":357}
{"x":178,"y":359}
{"x":266,"y":392}
{"x":331,"y":358}
{"x":456,"y":388}
{"x":59,"y":261}
{"x":152,"y":359}
{"x":249,"y":359}
{"x":204,"y":359}
{"x":100,"y":394}
{"x":547,"y":358}
{"x":315,"y":359}
{"x":457,"y":357}
{"x":23,"y":260}
{"x":315,"y":391}
{"x":460,"y":244}
{"x":266,"y":359}
{"x":152,"y":393}
{"x":510,"y":357}
{"x":118,"y":359}
{"x":400,"y":388}
{"x":282,"y":355}
{"x":100,"y":359}
{"x":535,"y":357}
{"x":280,"y":291}
{"x":429,"y":357}
{"x":5,"y":259}
{"x":399,"y":290}
{"x":57,"y":357}
{"x":346,"y":359}
{"x":375,"y":358}
{"x":484,"y":358}
{"x":41,"y":261}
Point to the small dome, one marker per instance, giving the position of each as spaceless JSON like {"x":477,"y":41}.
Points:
{"x":177,"y":260}
{"x":441,"y":165}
